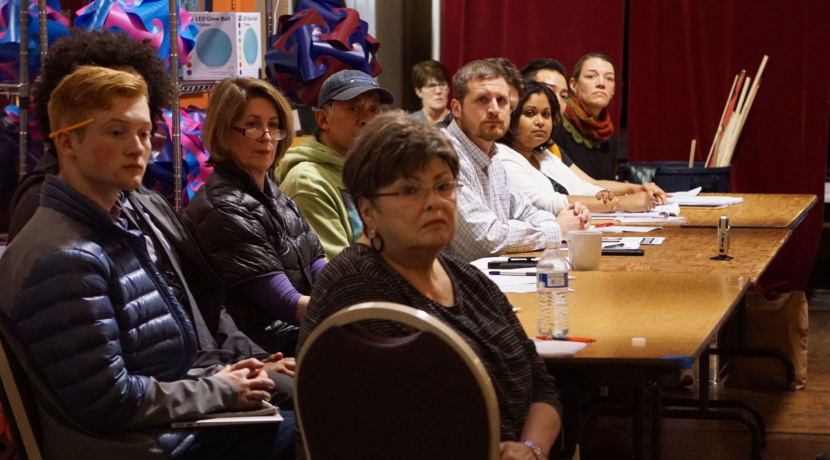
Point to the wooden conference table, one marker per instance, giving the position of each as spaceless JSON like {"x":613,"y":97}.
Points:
{"x":675,"y":297}
{"x":648,"y":326}
{"x":609,"y":306}
{"x":758,"y":210}
{"x":762,"y":210}
{"x":692,"y":249}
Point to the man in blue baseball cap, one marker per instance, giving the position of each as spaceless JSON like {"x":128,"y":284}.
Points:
{"x":310,"y":173}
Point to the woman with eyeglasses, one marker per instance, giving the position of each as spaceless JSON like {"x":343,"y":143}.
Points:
{"x":402,"y":174}
{"x":254,"y":235}
{"x":431,"y":81}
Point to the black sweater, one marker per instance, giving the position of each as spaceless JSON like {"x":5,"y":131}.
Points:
{"x":481,"y":315}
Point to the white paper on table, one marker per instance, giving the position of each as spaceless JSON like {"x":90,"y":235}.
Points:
{"x":649,"y":220}
{"x":510,"y":283}
{"x":693,"y":192}
{"x":626,"y":228}
{"x":481,"y":264}
{"x":627,"y":242}
{"x":710,"y":201}
{"x":660,"y":211}
{"x":557,"y":347}
{"x":692,"y":198}
{"x":514,"y":283}
{"x":653,"y":240}
{"x":507,"y":283}
{"x":668,"y":209}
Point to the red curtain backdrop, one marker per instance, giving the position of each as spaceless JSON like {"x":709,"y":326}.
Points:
{"x":528,"y":29}
{"x":683,"y":56}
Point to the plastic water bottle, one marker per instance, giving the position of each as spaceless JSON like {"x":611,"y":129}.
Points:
{"x":552,"y":288}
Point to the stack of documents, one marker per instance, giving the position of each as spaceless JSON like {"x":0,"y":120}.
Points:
{"x":666,"y":213}
{"x":707,"y":201}
{"x":691,"y":198}
{"x":611,"y":228}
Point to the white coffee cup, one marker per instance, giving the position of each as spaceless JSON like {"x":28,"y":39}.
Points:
{"x":584,"y":249}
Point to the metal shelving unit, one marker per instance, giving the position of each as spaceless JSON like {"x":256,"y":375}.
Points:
{"x":196,"y":87}
{"x":21,"y":89}
{"x":175,"y":135}
{"x":181,"y":88}
{"x":23,"y":86}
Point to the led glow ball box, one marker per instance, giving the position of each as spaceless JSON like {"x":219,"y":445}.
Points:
{"x":228,"y":45}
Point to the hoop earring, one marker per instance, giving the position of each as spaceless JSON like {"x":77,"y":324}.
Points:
{"x":376,"y":240}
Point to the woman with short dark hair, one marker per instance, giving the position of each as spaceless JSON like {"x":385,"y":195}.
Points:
{"x":431,"y":81}
{"x":254,"y":235}
{"x":402,"y":174}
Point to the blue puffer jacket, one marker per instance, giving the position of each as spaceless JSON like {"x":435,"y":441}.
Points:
{"x":94,"y":313}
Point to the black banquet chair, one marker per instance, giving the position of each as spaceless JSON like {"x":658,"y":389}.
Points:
{"x":425,"y":395}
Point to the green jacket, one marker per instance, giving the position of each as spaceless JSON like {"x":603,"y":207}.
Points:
{"x":311,"y":174}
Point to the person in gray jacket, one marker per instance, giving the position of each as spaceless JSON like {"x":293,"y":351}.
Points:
{"x":96,"y":318}
{"x":197,"y":287}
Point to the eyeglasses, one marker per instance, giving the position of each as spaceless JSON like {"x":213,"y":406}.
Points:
{"x":436,"y":86}
{"x":445,"y":190}
{"x":70,"y":128}
{"x":257,"y":133}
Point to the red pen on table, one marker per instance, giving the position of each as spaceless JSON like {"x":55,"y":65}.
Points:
{"x":568,"y":339}
{"x":607,"y":224}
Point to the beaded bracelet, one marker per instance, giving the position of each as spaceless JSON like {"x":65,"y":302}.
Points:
{"x":536,"y":451}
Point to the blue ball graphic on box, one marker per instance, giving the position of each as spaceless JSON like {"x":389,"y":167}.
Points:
{"x":250,"y":45}
{"x":213,"y":47}
{"x":228,"y":45}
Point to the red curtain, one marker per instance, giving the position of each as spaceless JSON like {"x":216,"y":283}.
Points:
{"x":683,"y":55}
{"x":525,"y":30}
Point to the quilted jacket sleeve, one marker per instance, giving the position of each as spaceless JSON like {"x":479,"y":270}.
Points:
{"x":64,"y":316}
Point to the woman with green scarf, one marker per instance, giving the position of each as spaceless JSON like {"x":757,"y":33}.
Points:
{"x":587,"y":136}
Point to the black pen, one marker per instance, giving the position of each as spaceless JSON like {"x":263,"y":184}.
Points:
{"x":496,"y":272}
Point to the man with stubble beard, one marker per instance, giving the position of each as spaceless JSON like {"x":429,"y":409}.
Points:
{"x":493,"y":217}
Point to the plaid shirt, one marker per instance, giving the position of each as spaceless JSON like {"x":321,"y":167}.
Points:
{"x":493,"y":217}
